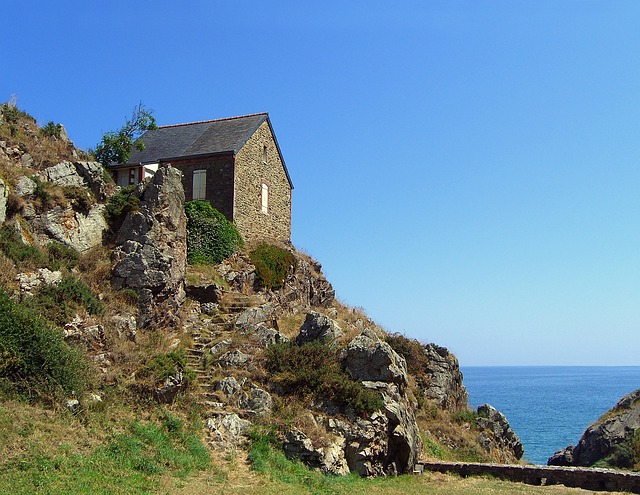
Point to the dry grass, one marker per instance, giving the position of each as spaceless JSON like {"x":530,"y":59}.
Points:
{"x":8,"y":274}
{"x":45,"y":151}
{"x":289,"y":325}
{"x":204,"y":274}
{"x":234,"y":477}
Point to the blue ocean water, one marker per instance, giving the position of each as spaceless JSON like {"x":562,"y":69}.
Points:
{"x":549,"y":407}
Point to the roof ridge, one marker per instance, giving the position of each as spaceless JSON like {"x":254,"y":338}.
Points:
{"x":213,"y":120}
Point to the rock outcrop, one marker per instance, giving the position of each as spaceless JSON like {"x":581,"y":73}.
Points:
{"x":152,"y":251}
{"x":387,"y":442}
{"x":443,"y":379}
{"x":608,"y":439}
{"x":496,"y":435}
{"x":370,"y":359}
{"x":317,"y":326}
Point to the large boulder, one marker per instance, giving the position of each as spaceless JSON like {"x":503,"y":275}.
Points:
{"x":608,"y":439}
{"x":317,"y":326}
{"x":79,"y":230}
{"x":443,"y":379}
{"x":83,"y":174}
{"x":496,"y":435}
{"x":368,"y":358}
{"x":151,"y":256}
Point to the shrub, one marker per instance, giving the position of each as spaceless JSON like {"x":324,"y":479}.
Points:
{"x":120,"y":204}
{"x":210,"y":236}
{"x":41,"y":192}
{"x":162,"y":366}
{"x":51,"y":130}
{"x":61,"y":302}
{"x":62,"y":255}
{"x":81,"y":198}
{"x":411,"y":350}
{"x":36,"y":362}
{"x":23,"y":255}
{"x":273,"y":264}
{"x":314,"y":369}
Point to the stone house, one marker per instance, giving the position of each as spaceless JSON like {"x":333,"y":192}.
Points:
{"x":234,"y":163}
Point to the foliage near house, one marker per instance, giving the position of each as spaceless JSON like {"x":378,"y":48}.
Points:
{"x":210,"y":236}
{"x":273,"y":264}
{"x":116,"y":146}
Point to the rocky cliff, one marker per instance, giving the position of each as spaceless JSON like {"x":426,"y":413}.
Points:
{"x":611,"y":441}
{"x":374,"y":404}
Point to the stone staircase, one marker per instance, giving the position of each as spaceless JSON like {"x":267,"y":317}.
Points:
{"x":206,"y":331}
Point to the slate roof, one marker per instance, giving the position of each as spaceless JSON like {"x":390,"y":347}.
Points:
{"x":197,"y":138}
{"x":204,"y":138}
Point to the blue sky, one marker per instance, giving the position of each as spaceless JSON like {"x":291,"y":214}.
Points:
{"x":466,"y":171}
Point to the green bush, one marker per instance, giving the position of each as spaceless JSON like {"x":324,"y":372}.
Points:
{"x":51,"y":129}
{"x":120,"y":204}
{"x":62,"y":255}
{"x":314,"y":369}
{"x":36,"y":361}
{"x":162,"y":366}
{"x":61,"y":302}
{"x":273,"y":264}
{"x":210,"y":236}
{"x":23,"y":255}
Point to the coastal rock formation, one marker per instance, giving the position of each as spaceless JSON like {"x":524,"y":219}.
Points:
{"x":496,"y":435}
{"x":609,"y":440}
{"x":444,"y":379}
{"x":151,"y":255}
{"x":388,"y":441}
{"x":370,"y":359}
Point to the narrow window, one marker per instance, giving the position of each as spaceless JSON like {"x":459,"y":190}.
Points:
{"x":199,"y":184}
{"x":132,"y":176}
{"x":264,"y":153}
{"x":265,"y":198}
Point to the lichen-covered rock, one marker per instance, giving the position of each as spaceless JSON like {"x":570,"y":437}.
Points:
{"x":253,"y":316}
{"x":79,"y":230}
{"x":368,"y":358}
{"x":228,"y":430}
{"x":329,"y":458}
{"x":166,"y":393}
{"x":496,"y":435}
{"x":151,"y":255}
{"x":28,"y":281}
{"x":317,"y":326}
{"x":266,"y":336}
{"x":605,"y":439}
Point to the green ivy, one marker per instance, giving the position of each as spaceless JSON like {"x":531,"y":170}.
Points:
{"x":273,"y":264}
{"x":210,"y":236}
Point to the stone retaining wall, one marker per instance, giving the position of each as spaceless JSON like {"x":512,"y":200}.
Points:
{"x":587,"y":478}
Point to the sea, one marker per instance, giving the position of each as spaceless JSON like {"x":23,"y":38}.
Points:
{"x":549,"y":407}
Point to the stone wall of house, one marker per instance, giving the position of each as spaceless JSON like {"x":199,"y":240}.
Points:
{"x":251,"y":172}
{"x":219,"y":180}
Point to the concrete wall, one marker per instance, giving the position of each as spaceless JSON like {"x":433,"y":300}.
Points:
{"x":251,"y":172}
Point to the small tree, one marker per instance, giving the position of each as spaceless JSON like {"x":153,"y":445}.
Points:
{"x":116,"y":146}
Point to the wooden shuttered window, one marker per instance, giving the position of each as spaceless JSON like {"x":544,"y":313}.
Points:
{"x":199,"y":184}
